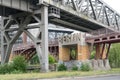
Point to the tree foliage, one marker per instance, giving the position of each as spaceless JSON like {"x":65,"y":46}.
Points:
{"x":114,"y":55}
{"x":51,"y":59}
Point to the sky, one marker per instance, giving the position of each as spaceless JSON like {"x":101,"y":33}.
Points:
{"x":115,"y":4}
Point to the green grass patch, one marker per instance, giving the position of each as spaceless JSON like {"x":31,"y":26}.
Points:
{"x":56,"y":74}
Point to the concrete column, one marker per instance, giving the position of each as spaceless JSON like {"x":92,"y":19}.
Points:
{"x":3,"y":45}
{"x":44,"y":27}
{"x":2,"y":48}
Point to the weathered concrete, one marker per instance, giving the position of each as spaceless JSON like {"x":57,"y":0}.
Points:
{"x":95,"y":65}
{"x":72,"y":63}
{"x":101,"y":64}
{"x":107,"y":64}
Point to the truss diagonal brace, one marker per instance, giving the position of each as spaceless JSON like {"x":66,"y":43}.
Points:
{"x":10,"y":41}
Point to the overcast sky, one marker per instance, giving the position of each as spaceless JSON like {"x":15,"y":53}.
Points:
{"x":115,"y":4}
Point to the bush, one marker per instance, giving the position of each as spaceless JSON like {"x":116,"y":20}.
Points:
{"x":19,"y":64}
{"x":85,"y":67}
{"x":34,"y":59}
{"x":51,"y":59}
{"x":74,"y":68}
{"x":6,"y":68}
{"x":92,"y":56}
{"x":62,"y":67}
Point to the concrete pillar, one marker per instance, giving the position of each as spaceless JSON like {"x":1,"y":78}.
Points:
{"x":44,"y":28}
{"x":2,"y":45}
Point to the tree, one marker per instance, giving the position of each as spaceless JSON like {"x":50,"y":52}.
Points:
{"x":114,"y":55}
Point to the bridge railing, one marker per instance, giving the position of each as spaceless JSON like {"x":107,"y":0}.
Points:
{"x":101,"y":33}
{"x":21,"y":46}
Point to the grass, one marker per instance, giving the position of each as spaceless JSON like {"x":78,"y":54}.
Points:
{"x":56,"y":74}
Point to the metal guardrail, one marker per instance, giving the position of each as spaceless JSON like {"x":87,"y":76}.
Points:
{"x":21,"y":46}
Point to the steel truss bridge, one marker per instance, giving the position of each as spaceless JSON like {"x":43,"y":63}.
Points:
{"x":82,"y":15}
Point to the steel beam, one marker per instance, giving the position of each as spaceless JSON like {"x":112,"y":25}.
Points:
{"x":108,"y":49}
{"x":103,"y":48}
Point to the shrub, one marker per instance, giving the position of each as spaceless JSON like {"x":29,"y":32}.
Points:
{"x":51,"y":59}
{"x":34,"y":59}
{"x":74,"y":68}
{"x":6,"y":68}
{"x":19,"y":63}
{"x":85,"y":67}
{"x":62,"y":67}
{"x":92,"y":56}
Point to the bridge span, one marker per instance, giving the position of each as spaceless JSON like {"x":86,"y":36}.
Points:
{"x":82,"y":15}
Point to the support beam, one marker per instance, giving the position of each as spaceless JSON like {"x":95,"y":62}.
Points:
{"x":108,"y":50}
{"x":7,"y":41}
{"x":103,"y":48}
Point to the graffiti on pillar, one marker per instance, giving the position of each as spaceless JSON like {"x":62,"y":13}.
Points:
{"x":76,"y":37}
